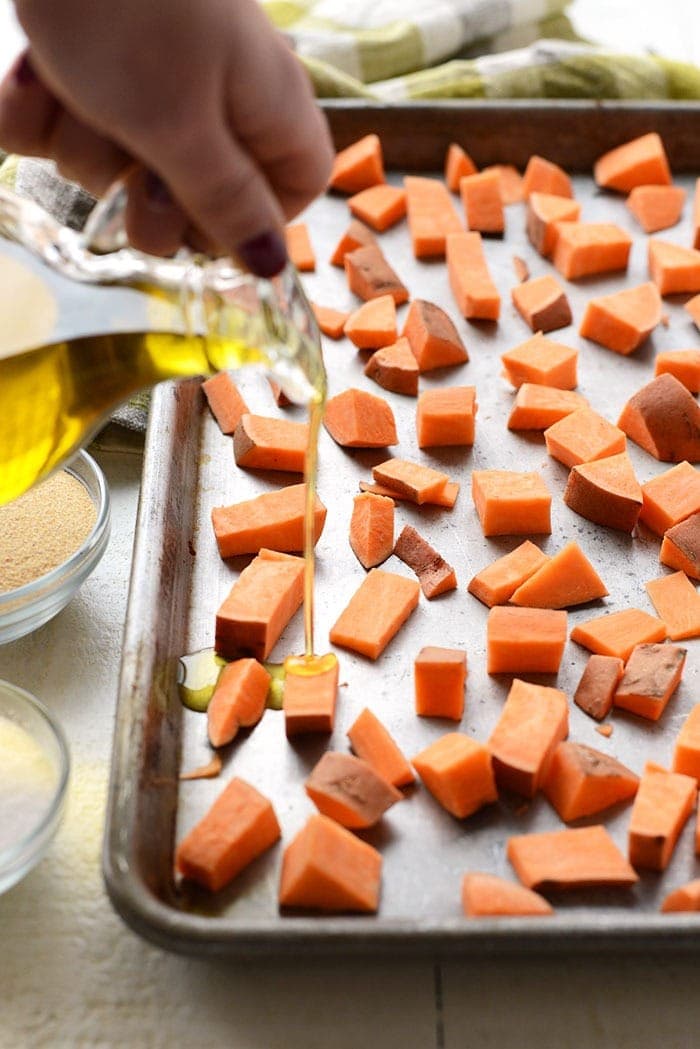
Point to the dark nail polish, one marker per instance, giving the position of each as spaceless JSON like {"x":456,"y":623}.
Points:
{"x":24,"y":71}
{"x":156,"y":191}
{"x":264,"y":255}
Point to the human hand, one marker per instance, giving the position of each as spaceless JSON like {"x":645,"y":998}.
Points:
{"x":206,"y":97}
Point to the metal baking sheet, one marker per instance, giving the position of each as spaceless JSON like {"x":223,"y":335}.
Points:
{"x":178,"y":582}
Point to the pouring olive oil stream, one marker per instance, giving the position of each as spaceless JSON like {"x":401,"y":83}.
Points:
{"x":54,"y":397}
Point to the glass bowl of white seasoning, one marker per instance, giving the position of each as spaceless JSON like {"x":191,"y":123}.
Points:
{"x":51,"y":539}
{"x":34,"y":768}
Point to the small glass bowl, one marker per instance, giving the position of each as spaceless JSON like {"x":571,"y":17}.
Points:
{"x":30,"y":606}
{"x":24,"y":850}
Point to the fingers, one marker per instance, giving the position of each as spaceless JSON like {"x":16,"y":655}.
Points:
{"x":226,"y":196}
{"x":154,"y":222}
{"x":27,"y":110}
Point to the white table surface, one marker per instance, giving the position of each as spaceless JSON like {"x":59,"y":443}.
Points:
{"x":72,"y":975}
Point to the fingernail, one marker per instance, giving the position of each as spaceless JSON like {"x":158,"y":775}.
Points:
{"x":264,"y":255}
{"x":24,"y":71}
{"x":156,"y":191}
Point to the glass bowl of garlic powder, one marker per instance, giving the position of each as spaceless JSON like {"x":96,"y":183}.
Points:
{"x":51,"y":539}
{"x":34,"y":768}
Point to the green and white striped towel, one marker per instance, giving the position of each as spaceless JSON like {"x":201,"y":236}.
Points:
{"x":394,"y":50}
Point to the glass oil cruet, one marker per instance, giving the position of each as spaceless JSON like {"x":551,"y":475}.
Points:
{"x":127,"y":321}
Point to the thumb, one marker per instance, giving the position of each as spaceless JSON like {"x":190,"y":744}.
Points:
{"x":226,"y":195}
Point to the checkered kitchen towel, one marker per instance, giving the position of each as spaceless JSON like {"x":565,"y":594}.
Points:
{"x":394,"y":50}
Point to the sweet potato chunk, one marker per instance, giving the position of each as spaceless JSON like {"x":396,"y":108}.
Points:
{"x":542,"y":361}
{"x":686,"y":756}
{"x":537,"y":407}
{"x":488,"y":896}
{"x":395,"y":368}
{"x":656,"y":207}
{"x":567,"y":578}
{"x":581,"y":781}
{"x":651,"y":676}
{"x":372,"y":529}
{"x":663,"y":804}
{"x":581,"y":858}
{"x":678,"y":604}
{"x":457,"y":771}
{"x":511,"y":503}
{"x":349,"y":791}
{"x":684,"y":365}
{"x":433,"y":338}
{"x":263,"y":443}
{"x":375,"y":613}
{"x":664,"y":420}
{"x":445,"y":416}
{"x":533,"y":721}
{"x":606,"y":491}
{"x":369,"y":275}
{"x":525,"y":640}
{"x":673,"y":269}
{"x":544,"y":211}
{"x":434,"y":574}
{"x":670,"y":497}
{"x":542,"y":303}
{"x":439,"y":677}
{"x":474,"y":291}
{"x":581,"y":436}
{"x":617,"y":633}
{"x":358,"y":419}
{"x":623,"y":321}
{"x":495,"y":584}
{"x":261,"y":602}
{"x":596,"y":689}
{"x":481,"y":200}
{"x":681,"y":546}
{"x":583,"y":249}
{"x":641,"y":162}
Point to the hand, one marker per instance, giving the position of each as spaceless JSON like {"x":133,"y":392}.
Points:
{"x":206,"y":96}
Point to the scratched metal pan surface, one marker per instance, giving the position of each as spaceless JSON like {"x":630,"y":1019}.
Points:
{"x":178,"y":582}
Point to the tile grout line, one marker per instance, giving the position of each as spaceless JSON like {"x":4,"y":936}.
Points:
{"x":439,"y":1007}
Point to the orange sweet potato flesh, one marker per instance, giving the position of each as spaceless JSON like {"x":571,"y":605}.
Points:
{"x":261,"y":602}
{"x":542,"y":303}
{"x":445,"y":416}
{"x":309,"y":700}
{"x":358,"y":166}
{"x":684,"y":898}
{"x":420,"y":484}
{"x":663,"y":804}
{"x":331,"y":322}
{"x":680,"y":547}
{"x":369,"y":275}
{"x":650,"y":678}
{"x":239,"y":827}
{"x":495,"y":584}
{"x":264,"y":443}
{"x":327,"y":868}
{"x":641,"y":162}
{"x":606,"y":492}
{"x":511,"y":503}
{"x":372,"y":742}
{"x":373,"y":324}
{"x":567,"y":578}
{"x":692,"y":306}
{"x":433,"y":338}
{"x":533,"y":721}
{"x":582,"y":781}
{"x":446,"y":497}
{"x":274,"y":520}
{"x":686,"y":755}
{"x":623,"y":321}
{"x":488,"y":896}
{"x":379,"y":206}
{"x":375,"y":613}
{"x":458,"y":163}
{"x":299,"y":247}
{"x":525,"y":640}
{"x":683,"y":364}
{"x":482,"y":203}
{"x":474,"y":291}
{"x":537,"y":407}
{"x":358,"y":419}
{"x":349,"y":791}
{"x":439,"y":678}
{"x":431,"y":216}
{"x":395,"y":368}
{"x":544,"y":210}
{"x":617,"y":633}
{"x":656,"y":207}
{"x":457,"y":771}
{"x":677,"y":603}
{"x":540,"y":360}
{"x":511,"y":182}
{"x":581,"y":436}
{"x":543,"y":176}
{"x":357,"y":235}
{"x":238,"y":700}
{"x":210,"y":770}
{"x":596,"y":688}
{"x":670,"y":497}
{"x":584,"y":249}
{"x":225,"y":400}
{"x":372,"y":529}
{"x":434,"y":574}
{"x":673,"y":269}
{"x":664,"y":420}
{"x":578,"y":858}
